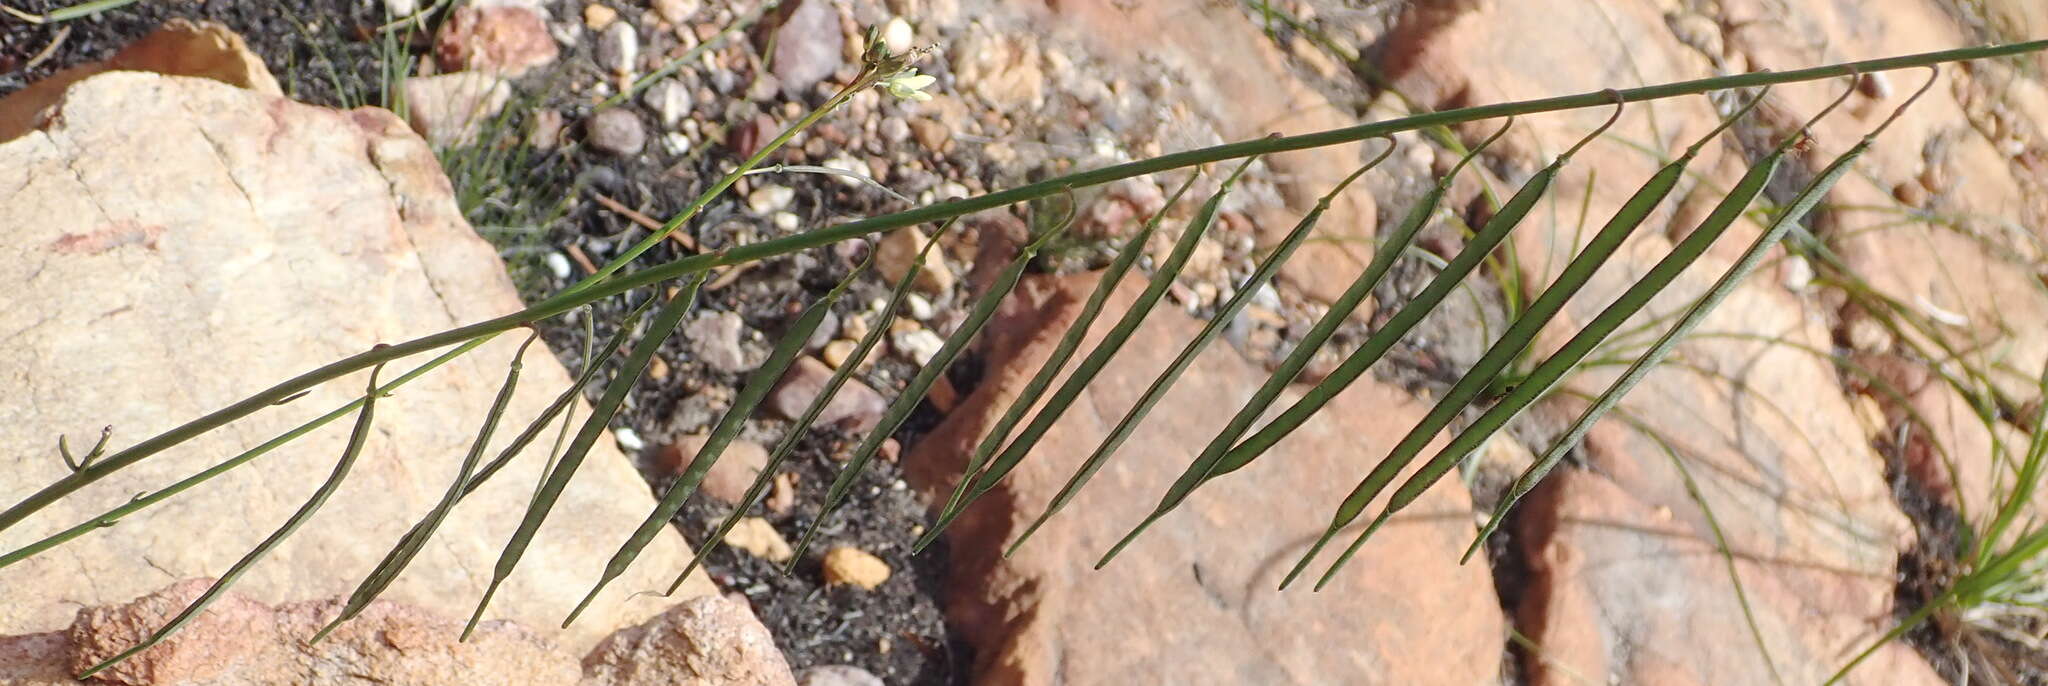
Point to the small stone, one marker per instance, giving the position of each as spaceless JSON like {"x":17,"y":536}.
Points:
{"x":930,"y":134}
{"x":657,"y":368}
{"x":506,"y":40}
{"x":1796,"y":272}
{"x":856,"y":407}
{"x":920,"y":308}
{"x":617,"y":131}
{"x":783,"y":496}
{"x":918,"y":346}
{"x":670,"y":99}
{"x":847,"y":565}
{"x":676,"y":11}
{"x":837,"y":352}
{"x":840,"y":675}
{"x":852,"y":165}
{"x":898,"y":35}
{"x":760,"y":539}
{"x":808,"y":46}
{"x":400,"y":8}
{"x":899,"y":249}
{"x":629,"y":441}
{"x":675,"y":143}
{"x":558,"y":264}
{"x":730,"y":476}
{"x":854,"y":327}
{"x":786,"y":222}
{"x":618,"y":48}
{"x":449,"y":110}
{"x":769,"y":199}
{"x":715,"y":338}
{"x":596,"y":16}
{"x":544,"y":130}
{"x":895,"y":130}
{"x":828,"y":329}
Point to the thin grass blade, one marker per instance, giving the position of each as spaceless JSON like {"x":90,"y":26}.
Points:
{"x":665,"y":322}
{"x":914,"y":393}
{"x":410,"y":544}
{"x":356,"y":439}
{"x":751,"y":394}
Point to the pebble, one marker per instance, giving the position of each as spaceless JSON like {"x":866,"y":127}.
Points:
{"x":449,"y":109}
{"x":675,"y":143}
{"x":895,"y":130}
{"x":676,"y":11}
{"x":899,"y":249}
{"x":920,"y":308}
{"x":558,"y":264}
{"x":506,"y":40}
{"x":597,"y":16}
{"x":670,"y":99}
{"x":856,"y":407}
{"x":854,"y":327}
{"x":808,"y":46}
{"x":786,"y":222}
{"x":847,"y":565}
{"x":783,"y":496}
{"x":618,"y":48}
{"x":828,"y":329}
{"x":760,"y":539}
{"x":839,"y":675}
{"x":848,"y":163}
{"x":544,"y":129}
{"x":730,"y":476}
{"x":617,"y":131}
{"x":919,"y":346}
{"x":899,"y":36}
{"x":628,"y":440}
{"x":770,"y":199}
{"x":715,"y":338}
{"x":837,"y":352}
{"x":401,"y":8}
{"x":931,"y":134}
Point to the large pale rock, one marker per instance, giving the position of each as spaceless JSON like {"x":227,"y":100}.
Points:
{"x":711,"y":640}
{"x":1193,"y":601}
{"x":183,"y":47}
{"x":179,"y":244}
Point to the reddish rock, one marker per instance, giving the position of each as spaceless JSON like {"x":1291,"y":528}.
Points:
{"x":709,"y":640}
{"x":807,"y":45}
{"x":507,"y":40}
{"x":730,"y":477}
{"x":856,"y":407}
{"x":1193,"y":601}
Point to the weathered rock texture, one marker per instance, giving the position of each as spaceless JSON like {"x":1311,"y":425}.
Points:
{"x":1193,"y":601}
{"x":179,"y":244}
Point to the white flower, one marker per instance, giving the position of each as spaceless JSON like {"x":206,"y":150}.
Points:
{"x":909,"y":85}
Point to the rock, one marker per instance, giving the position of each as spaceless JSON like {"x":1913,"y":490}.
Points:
{"x":715,"y":338}
{"x":629,"y":440}
{"x":676,"y":11}
{"x":730,"y":476}
{"x":451,"y":109}
{"x":837,"y":352}
{"x":180,"y":47}
{"x":767,"y":200}
{"x":899,"y":249}
{"x":760,"y":539}
{"x":784,"y":495}
{"x":807,"y":47}
{"x":1002,"y":68}
{"x":898,"y":35}
{"x":855,"y":408}
{"x":618,"y":48}
{"x":837,"y":675}
{"x":707,"y":640}
{"x":851,"y":165}
{"x":1041,"y":617}
{"x":176,"y":195}
{"x":400,"y":8}
{"x":932,"y":135}
{"x":895,"y":130}
{"x":671,"y":100}
{"x":617,"y":131}
{"x":846,"y":565}
{"x":675,"y":143}
{"x":918,"y":345}
{"x":746,"y":138}
{"x":544,"y":130}
{"x":504,"y":40}
{"x":598,"y":17}
{"x":918,"y":307}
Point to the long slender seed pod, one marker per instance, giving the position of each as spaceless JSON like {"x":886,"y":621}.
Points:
{"x":977,"y":317}
{"x":1566,"y":359}
{"x":1107,"y":348}
{"x":1200,"y":469}
{"x":1650,"y":358}
{"x":356,"y":439}
{"x":569,"y":409}
{"x":1510,"y":346}
{"x":1260,"y":276}
{"x":756,"y":388}
{"x":563,"y":406}
{"x":410,"y":544}
{"x":1070,"y":342}
{"x":810,"y":414}
{"x":620,"y":283}
{"x":665,"y":322}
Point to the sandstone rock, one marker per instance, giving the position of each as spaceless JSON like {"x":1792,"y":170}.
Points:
{"x":849,"y":566}
{"x":715,"y":338}
{"x":507,"y":40}
{"x":760,"y":539}
{"x":707,"y":640}
{"x":730,"y":477}
{"x":233,"y":239}
{"x":451,"y":109}
{"x":837,"y":675}
{"x":807,"y":46}
{"x":1192,"y":601}
{"x":899,"y":249}
{"x":856,"y":408}
{"x":180,"y":47}
{"x":617,"y":131}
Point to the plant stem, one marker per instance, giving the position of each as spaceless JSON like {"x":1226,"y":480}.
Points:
{"x":600,"y":286}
